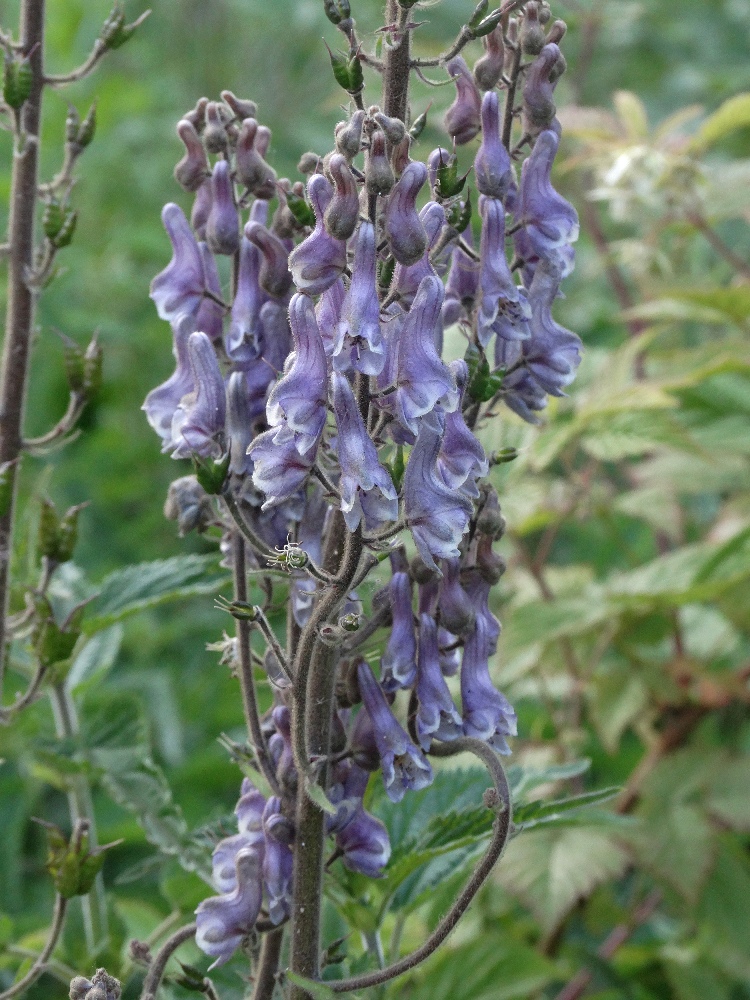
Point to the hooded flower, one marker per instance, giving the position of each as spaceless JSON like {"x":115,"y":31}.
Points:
{"x":359,"y":344}
{"x":297,"y":403}
{"x":462,"y":119}
{"x":343,"y":209}
{"x":404,"y":765}
{"x":277,"y":867}
{"x":179,"y":288}
{"x":161,"y":403}
{"x":422,"y":380}
{"x":364,"y":844}
{"x":437,"y":717}
{"x":398,"y":665}
{"x":406,"y":280}
{"x":462,"y":459}
{"x":541,"y":78}
{"x":273,"y":273}
{"x":249,"y":812}
{"x":457,"y":613}
{"x":279,"y":470}
{"x":367,"y":490}
{"x":492,"y":165}
{"x":223,"y":222}
{"x":503,"y":308}
{"x":462,"y":285}
{"x":437,"y":515}
{"x":243,"y":340}
{"x":223,"y":921}
{"x":550,"y":222}
{"x":198,"y":422}
{"x":488,"y":715}
{"x":403,"y":228}
{"x":552,"y":355}
{"x":319,"y":260}
{"x":328,"y":313}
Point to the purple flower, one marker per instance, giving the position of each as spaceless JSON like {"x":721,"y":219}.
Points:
{"x":278,"y":468}
{"x":343,"y":209}
{"x":252,"y":169}
{"x":367,"y":490}
{"x":492,"y":165}
{"x":359,"y":344}
{"x":193,"y":168}
{"x":223,"y":223}
{"x":503,"y":308}
{"x":273,"y":274}
{"x":437,"y":717}
{"x":223,"y":921}
{"x":462,"y":459}
{"x":457,"y":613}
{"x":239,"y":428}
{"x":462,"y":119}
{"x":462,"y":285}
{"x":249,"y":812}
{"x":243,"y":340}
{"x":422,"y":380}
{"x":328,"y":313}
{"x":319,"y":260}
{"x":403,"y":228}
{"x":450,"y":654}
{"x":404,"y":765}
{"x":552,"y":355}
{"x":364,"y":844}
{"x":201,"y":209}
{"x":406,"y":280}
{"x":277,"y":867}
{"x":398,"y":667}
{"x":550,"y":222}
{"x":161,"y":403}
{"x":348,"y":785}
{"x":541,"y":78}
{"x":488,"y":715}
{"x":209,"y":316}
{"x":297,"y":403}
{"x":180,"y":286}
{"x":198,"y":422}
{"x":437,"y":515}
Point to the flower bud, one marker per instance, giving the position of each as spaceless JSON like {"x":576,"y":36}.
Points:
{"x":188,"y":504}
{"x":532,"y":33}
{"x":394,"y":128}
{"x":538,"y":106}
{"x":343,"y":209}
{"x":79,"y":987}
{"x":490,"y":565}
{"x":197,"y":117}
{"x":252,"y":170}
{"x":379,"y":177}
{"x":489,"y":68}
{"x":462,"y":119}
{"x":403,"y":228}
{"x":214,"y":133}
{"x":273,"y":275}
{"x":490,"y":520}
{"x":193,"y":168}
{"x":349,"y":135}
{"x":309,"y":163}
{"x":241,"y":109}
{"x":222,"y":225}
{"x":202,"y":208}
{"x":557,"y":32}
{"x":420,"y":572}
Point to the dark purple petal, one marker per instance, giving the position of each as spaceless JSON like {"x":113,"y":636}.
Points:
{"x":406,"y":280}
{"x":348,"y":785}
{"x":404,"y":765}
{"x":273,"y":275}
{"x":210,"y":314}
{"x":404,"y":231}
{"x":198,"y":423}
{"x":488,"y":715}
{"x":503,"y":308}
{"x":462,"y":459}
{"x":223,"y":223}
{"x":365,"y":845}
{"x":398,"y":665}
{"x":179,"y":287}
{"x":277,"y":866}
{"x":437,"y":717}
{"x":437,"y":515}
{"x":552,"y":355}
{"x":328,"y":313}
{"x":297,"y":403}
{"x":456,"y":610}
{"x":462,"y":119}
{"x":359,"y":344}
{"x":243,"y":340}
{"x":541,"y":78}
{"x":492,"y":165}
{"x":462,"y":285}
{"x":319,"y":260}
{"x":201,"y":209}
{"x":343,"y":209}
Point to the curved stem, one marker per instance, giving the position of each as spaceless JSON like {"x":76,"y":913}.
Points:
{"x":58,"y":922}
{"x":501,"y":829}
{"x":156,"y":970}
{"x":255,"y":541}
{"x":29,"y":696}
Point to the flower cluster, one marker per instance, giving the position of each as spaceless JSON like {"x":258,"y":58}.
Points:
{"x":309,"y":345}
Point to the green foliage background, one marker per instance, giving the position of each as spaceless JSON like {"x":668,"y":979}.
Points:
{"x":645,"y":486}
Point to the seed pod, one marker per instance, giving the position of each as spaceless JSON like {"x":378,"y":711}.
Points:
{"x":53,"y":218}
{"x":64,"y":236}
{"x":87,"y":128}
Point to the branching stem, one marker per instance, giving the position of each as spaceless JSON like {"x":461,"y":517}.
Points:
{"x":40,"y":962}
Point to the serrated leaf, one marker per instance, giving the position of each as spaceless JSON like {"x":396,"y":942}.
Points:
{"x":550,"y":869}
{"x":525,"y":779}
{"x":731,"y":115}
{"x":135,"y":588}
{"x":535,"y":813}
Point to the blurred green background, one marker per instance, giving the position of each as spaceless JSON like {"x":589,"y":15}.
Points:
{"x":671,"y":56}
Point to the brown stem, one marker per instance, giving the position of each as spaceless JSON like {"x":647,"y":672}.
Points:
{"x":397,"y":64}
{"x":58,"y":922}
{"x":510,"y":96}
{"x":268,"y":965}
{"x":20,"y":300}
{"x":156,"y":970}
{"x":500,"y":831}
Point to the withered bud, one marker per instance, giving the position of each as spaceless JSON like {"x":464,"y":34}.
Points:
{"x":197,"y":117}
{"x":489,"y":68}
{"x":215,"y":133}
{"x":394,"y":128}
{"x":193,"y":168}
{"x":309,"y":163}
{"x":544,"y":12}
{"x":241,"y":109}
{"x":280,"y":828}
{"x":379,"y":177}
{"x":490,"y":565}
{"x":532,"y":32}
{"x":139,"y":952}
{"x":263,"y":139}
{"x":188,"y":504}
{"x":343,"y":209}
{"x":349,"y":135}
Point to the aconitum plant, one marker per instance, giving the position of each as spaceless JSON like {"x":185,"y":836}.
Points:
{"x":333,"y":434}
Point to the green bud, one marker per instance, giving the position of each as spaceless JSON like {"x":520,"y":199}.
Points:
{"x":72,"y":865}
{"x":53,"y":218}
{"x":385,"y":271}
{"x":92,"y":367}
{"x":64,"y":237}
{"x":503,"y":455}
{"x":448,"y":183}
{"x":479,"y":11}
{"x":58,"y":535}
{"x":7,"y":479}
{"x":351,"y":622}
{"x":337,"y":10}
{"x":72,"y":124}
{"x":347,"y":71}
{"x":418,"y":125}
{"x":482,"y":384}
{"x":75,"y":364}
{"x":211,"y":473}
{"x":88,"y":128}
{"x":398,"y":467}
{"x":17,"y":80}
{"x":67,"y":534}
{"x":53,"y":643}
{"x":300,"y":209}
{"x":241,"y":610}
{"x":488,"y":24}
{"x":49,"y":523}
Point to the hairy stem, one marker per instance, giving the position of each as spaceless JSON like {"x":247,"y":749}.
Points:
{"x":397,"y":64}
{"x":501,"y":829}
{"x":38,"y":967}
{"x":156,"y":970}
{"x":268,"y":964}
{"x":81,"y":806}
{"x":20,"y":299}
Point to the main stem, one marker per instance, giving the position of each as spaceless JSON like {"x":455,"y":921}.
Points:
{"x":20,"y":300}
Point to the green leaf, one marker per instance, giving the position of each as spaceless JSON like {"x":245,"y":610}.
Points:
{"x":550,"y":869}
{"x":727,"y":794}
{"x":135,"y":588}
{"x":725,"y":903}
{"x":318,"y":991}
{"x":731,"y":115}
{"x":543,"y":812}
{"x":319,"y":797}
{"x":95,"y":658}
